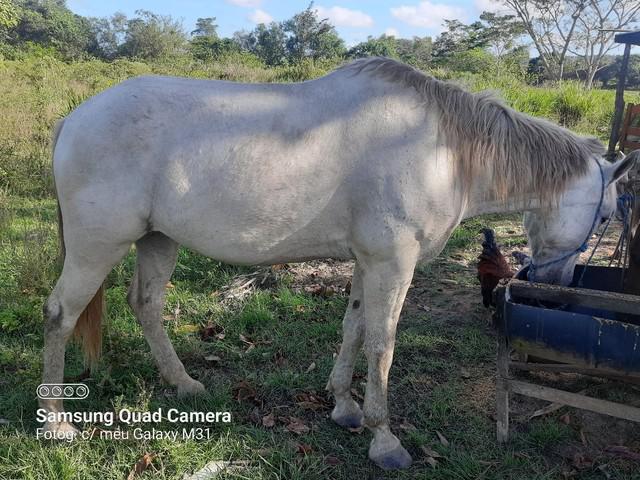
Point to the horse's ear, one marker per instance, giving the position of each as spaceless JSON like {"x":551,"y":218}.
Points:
{"x":619,"y":169}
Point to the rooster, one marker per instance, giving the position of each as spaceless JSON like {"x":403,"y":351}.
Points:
{"x":492,"y":267}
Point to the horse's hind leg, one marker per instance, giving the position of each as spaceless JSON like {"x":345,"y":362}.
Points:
{"x":347,"y":412}
{"x":157,"y":255}
{"x":84,"y":270}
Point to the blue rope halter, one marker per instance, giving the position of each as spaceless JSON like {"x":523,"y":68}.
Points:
{"x":584,"y":246}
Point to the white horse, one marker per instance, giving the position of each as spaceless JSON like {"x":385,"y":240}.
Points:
{"x":374,"y":162}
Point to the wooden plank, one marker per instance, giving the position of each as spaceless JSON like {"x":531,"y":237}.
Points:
{"x":633,"y":131}
{"x":582,"y":370}
{"x":548,"y":354}
{"x":549,"y":394}
{"x":502,"y":391}
{"x":628,"y":147}
{"x":615,"y":302}
{"x":625,"y":125}
{"x":619,"y":104}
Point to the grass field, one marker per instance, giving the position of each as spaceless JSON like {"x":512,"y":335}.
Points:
{"x":270,"y":345}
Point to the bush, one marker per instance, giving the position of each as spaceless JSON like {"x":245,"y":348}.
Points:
{"x":306,"y":69}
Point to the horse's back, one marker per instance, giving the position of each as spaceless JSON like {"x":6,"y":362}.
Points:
{"x":228,"y":168}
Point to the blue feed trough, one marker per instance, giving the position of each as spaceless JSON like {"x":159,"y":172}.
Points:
{"x":576,"y":332}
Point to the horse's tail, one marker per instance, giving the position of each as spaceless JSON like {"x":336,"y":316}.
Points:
{"x":88,"y":329}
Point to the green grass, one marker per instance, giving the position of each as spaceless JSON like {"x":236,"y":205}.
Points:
{"x":291,"y":330}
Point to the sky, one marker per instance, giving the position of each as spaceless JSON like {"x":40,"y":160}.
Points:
{"x":354,"y":19}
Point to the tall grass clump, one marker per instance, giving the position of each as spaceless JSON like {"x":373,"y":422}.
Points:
{"x":568,"y":103}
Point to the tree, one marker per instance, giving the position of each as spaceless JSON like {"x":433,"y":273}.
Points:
{"x":212,"y":48}
{"x":310,"y":37}
{"x":206,"y":28}
{"x":560,"y":27}
{"x":152,"y":36}
{"x":497,"y":33}
{"x":612,"y":71}
{"x":52,"y":24}
{"x":417,"y":51}
{"x":267,"y":42}
{"x":501,"y":32}
{"x":302,"y":36}
{"x":108,"y":35}
{"x":244,"y":39}
{"x":383,"y":46}
{"x":270,"y":43}
{"x":594,"y":36}
{"x":8,"y":15}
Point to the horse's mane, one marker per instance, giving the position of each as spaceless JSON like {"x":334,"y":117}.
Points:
{"x":521,"y":151}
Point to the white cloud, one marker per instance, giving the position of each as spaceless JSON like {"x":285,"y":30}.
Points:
{"x":494,"y":6}
{"x":345,"y":17}
{"x":245,"y":3}
{"x":427,"y":15}
{"x":392,"y":32}
{"x":260,"y":16}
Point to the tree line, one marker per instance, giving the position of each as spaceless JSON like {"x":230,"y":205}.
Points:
{"x":574,"y":39}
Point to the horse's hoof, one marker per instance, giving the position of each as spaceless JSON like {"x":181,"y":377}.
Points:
{"x":349,"y":421}
{"x":190,"y":388}
{"x":395,"y":459}
{"x":348,"y":414}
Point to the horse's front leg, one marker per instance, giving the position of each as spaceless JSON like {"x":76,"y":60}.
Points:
{"x":385,"y":284}
{"x":347,"y":412}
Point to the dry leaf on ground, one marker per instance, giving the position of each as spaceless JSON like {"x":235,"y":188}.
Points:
{"x":443,"y":439}
{"x":211,"y":331}
{"x":304,"y":449}
{"x":268,"y":421}
{"x":243,"y":391}
{"x":623,"y":452}
{"x":297,"y":426}
{"x":141,"y":465}
{"x":332,"y":461}
{"x":430,"y":452}
{"x":309,"y":401}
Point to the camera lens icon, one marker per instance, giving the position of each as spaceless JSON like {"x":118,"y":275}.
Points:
{"x":43,"y":391}
{"x":62,"y":391}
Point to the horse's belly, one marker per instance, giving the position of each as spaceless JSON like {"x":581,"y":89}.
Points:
{"x":238,"y":249}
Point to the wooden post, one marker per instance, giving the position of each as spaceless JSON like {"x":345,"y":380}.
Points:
{"x":632,"y":276}
{"x":619,"y":109}
{"x":502,"y":390}
{"x":502,"y":377}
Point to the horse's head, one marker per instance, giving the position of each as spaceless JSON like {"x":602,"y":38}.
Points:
{"x":557,"y":235}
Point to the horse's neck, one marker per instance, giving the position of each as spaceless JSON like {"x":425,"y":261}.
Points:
{"x":482,"y":199}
